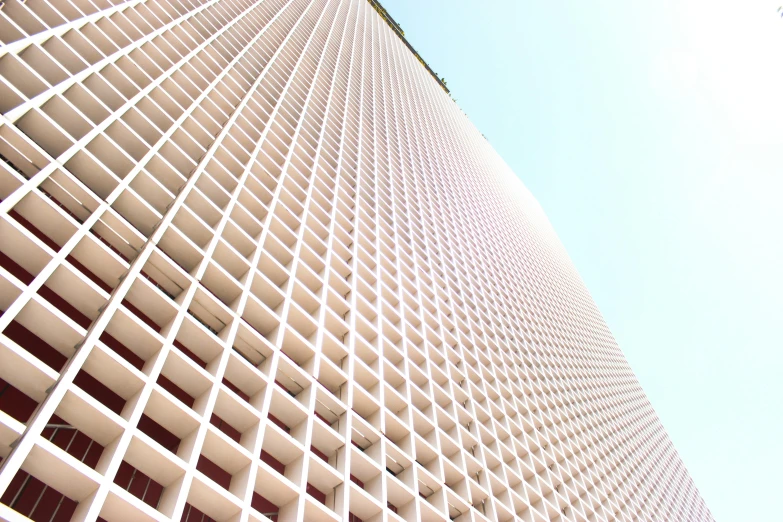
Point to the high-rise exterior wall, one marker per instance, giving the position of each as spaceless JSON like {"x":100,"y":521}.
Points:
{"x":256,"y":264}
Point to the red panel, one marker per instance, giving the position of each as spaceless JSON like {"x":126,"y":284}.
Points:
{"x":36,"y":500}
{"x":316,"y":493}
{"x":175,"y":390}
{"x":236,"y":390}
{"x":73,"y":442}
{"x":213,"y":471}
{"x":99,"y":391}
{"x":191,"y":514}
{"x":319,"y":453}
{"x":272,"y":462}
{"x":138,"y":313}
{"x":196,"y":358}
{"x":225,"y":427}
{"x":262,"y":505}
{"x":15,"y":269}
{"x":35,"y":345}
{"x":62,"y":305}
{"x":138,"y":484}
{"x":15,"y":403}
{"x":122,"y":350}
{"x":34,"y":230}
{"x":280,"y":424}
{"x":92,"y":277}
{"x":158,"y":433}
{"x":356,"y":481}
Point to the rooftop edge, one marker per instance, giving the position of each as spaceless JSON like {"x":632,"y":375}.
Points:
{"x":401,"y":34}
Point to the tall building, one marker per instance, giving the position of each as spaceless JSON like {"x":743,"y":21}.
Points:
{"x":256,"y":264}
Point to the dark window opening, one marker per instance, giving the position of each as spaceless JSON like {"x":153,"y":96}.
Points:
{"x":123,"y":351}
{"x":36,"y":346}
{"x":196,"y":359}
{"x":15,"y":403}
{"x":72,"y":441}
{"x":316,"y":493}
{"x":99,"y":391}
{"x":34,"y":230}
{"x":138,"y":484}
{"x":88,"y":273}
{"x":37,"y":501}
{"x":236,"y":390}
{"x":138,"y":313}
{"x":280,"y":424}
{"x":226,"y":428}
{"x":159,"y":434}
{"x":265,"y":507}
{"x":319,"y":453}
{"x":272,"y":462}
{"x":191,"y":514}
{"x":175,"y":390}
{"x":214,"y":472}
{"x":15,"y":269}
{"x":356,"y":481}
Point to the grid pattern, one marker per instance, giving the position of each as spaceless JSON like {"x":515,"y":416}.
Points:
{"x":256,"y":264}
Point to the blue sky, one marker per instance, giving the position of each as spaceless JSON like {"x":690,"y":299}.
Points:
{"x":651,"y":134}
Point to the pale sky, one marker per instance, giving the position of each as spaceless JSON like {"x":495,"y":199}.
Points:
{"x":652,"y":135}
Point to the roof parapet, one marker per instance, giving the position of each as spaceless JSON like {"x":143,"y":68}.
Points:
{"x":401,"y":34}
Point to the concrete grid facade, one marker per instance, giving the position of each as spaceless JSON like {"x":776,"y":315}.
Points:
{"x":256,"y":264}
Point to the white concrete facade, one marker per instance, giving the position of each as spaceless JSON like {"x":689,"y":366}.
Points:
{"x":256,"y":264}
